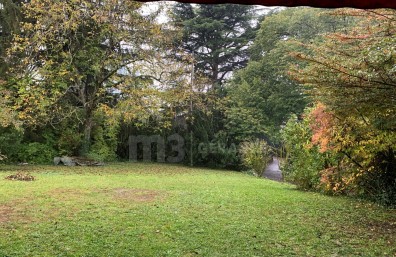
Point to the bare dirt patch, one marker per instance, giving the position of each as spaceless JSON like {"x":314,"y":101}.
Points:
{"x":67,"y":193}
{"x":136,"y":195}
{"x":383,"y":227}
{"x":6,"y":213}
{"x":15,"y":211}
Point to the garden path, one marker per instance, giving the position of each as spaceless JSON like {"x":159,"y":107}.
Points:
{"x":273,"y":171}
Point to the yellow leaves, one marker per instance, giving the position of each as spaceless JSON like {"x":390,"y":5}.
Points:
{"x":335,"y":180}
{"x":156,"y":30}
{"x":63,"y":73}
{"x":22,"y":115}
{"x":7,"y":114}
{"x":106,"y":110}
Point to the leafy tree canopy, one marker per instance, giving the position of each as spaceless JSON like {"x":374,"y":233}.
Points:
{"x":263,"y":92}
{"x":76,"y":57}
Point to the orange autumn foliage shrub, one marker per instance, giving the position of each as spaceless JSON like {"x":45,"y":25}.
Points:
{"x":336,"y":176}
{"x":321,"y":126}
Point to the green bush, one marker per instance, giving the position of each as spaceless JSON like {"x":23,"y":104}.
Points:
{"x":218,"y":153}
{"x":379,"y":184}
{"x":256,"y":155}
{"x":37,"y":153}
{"x":215,"y":151}
{"x":101,"y":152}
{"x":11,"y":143}
{"x":69,"y":141}
{"x":303,"y":161}
{"x":104,"y":143}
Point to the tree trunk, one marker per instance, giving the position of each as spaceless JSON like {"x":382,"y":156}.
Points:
{"x":215,"y":75}
{"x":86,"y":95}
{"x":88,"y":123}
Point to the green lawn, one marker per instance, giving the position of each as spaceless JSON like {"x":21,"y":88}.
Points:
{"x":165,"y":210}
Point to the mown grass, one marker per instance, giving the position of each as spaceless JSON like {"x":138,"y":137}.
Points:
{"x":167,"y":210}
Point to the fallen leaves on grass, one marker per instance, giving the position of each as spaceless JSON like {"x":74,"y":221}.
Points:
{"x":21,"y":176}
{"x":382,"y":227}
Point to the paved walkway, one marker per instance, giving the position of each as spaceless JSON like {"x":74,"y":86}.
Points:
{"x":272,"y":171}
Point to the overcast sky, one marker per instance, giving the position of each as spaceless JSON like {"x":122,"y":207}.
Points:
{"x":150,"y":7}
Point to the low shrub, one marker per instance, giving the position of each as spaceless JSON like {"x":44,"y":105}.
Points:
{"x":37,"y":153}
{"x":256,"y":155}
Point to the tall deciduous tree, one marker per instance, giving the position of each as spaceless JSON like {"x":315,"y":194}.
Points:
{"x":78,"y":56}
{"x":263,"y":92}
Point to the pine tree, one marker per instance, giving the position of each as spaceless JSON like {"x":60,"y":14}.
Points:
{"x":218,"y":36}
